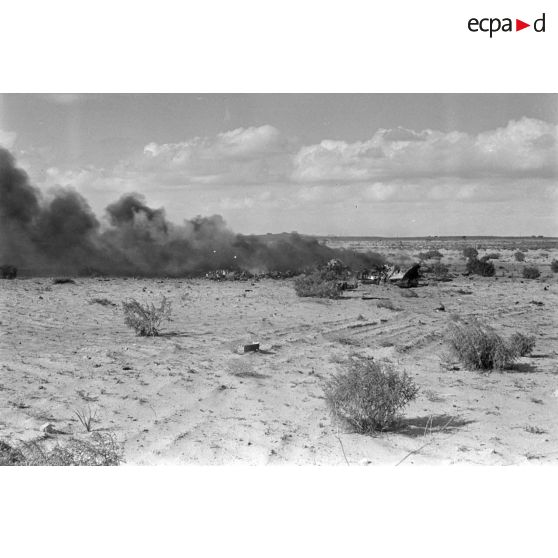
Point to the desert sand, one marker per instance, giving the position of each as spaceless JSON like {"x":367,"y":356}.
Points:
{"x":190,"y":396}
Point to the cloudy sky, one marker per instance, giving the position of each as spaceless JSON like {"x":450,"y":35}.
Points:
{"x":386,"y":165}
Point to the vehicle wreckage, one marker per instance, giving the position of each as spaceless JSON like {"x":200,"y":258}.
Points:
{"x":391,"y":274}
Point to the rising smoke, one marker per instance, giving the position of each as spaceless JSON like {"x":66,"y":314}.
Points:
{"x":59,"y":233}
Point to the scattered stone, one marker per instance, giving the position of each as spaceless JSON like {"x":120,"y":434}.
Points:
{"x":49,"y":428}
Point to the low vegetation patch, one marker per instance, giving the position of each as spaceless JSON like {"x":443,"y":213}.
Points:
{"x":482,"y":267}
{"x":320,"y":284}
{"x":494,"y":256}
{"x":479,"y":347}
{"x":531,"y":272}
{"x":554,"y":266}
{"x":98,"y":450}
{"x":430,"y":255}
{"x":63,"y":281}
{"x":519,"y":256}
{"x":439,"y":270}
{"x":146,"y":319}
{"x":369,"y":396}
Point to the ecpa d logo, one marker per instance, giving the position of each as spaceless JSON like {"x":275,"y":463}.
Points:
{"x":493,"y":25}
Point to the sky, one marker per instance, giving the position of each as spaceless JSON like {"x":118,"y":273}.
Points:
{"x":340,"y":164}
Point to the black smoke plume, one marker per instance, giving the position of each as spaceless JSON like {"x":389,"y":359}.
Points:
{"x":61,"y":234}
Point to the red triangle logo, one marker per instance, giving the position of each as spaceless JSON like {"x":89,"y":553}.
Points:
{"x":519,"y":25}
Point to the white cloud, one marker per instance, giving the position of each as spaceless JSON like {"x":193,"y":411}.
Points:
{"x":245,"y":155}
{"x":527,"y":147}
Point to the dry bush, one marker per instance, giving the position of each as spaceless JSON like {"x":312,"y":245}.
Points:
{"x":369,"y":396}
{"x":63,"y":281}
{"x":481,"y":267}
{"x":470,"y":253}
{"x":522,"y":344}
{"x":320,"y":284}
{"x":531,"y":272}
{"x":439,"y":270}
{"x":554,"y":266}
{"x":479,"y":347}
{"x":147,"y":319}
{"x":430,"y":255}
{"x":519,"y":256}
{"x":98,"y":450}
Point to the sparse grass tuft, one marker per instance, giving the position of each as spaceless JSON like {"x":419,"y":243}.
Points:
{"x":369,"y":395}
{"x":86,"y":417}
{"x":479,"y":347}
{"x":531,"y":272}
{"x":522,"y":344}
{"x":147,"y":319}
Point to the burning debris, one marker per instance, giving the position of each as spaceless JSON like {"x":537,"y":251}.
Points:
{"x":391,"y":274}
{"x":8,"y":272}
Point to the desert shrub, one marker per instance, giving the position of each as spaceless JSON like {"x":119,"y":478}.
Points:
{"x":554,"y":266}
{"x":484,"y":268}
{"x":430,"y":255}
{"x":147,"y":319}
{"x":522,"y":344}
{"x":531,"y":272}
{"x":479,"y":347}
{"x":470,"y":253}
{"x":369,"y":396}
{"x":63,"y":281}
{"x":439,"y":270}
{"x":494,"y":256}
{"x":98,"y":450}
{"x":519,"y":256}
{"x":320,"y":284}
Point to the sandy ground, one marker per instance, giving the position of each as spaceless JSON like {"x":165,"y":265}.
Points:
{"x":189,"y":397}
